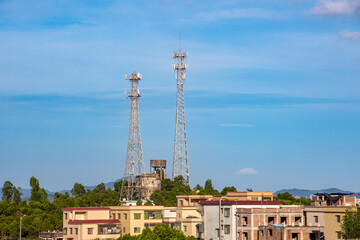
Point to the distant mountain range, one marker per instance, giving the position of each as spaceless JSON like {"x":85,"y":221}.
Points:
{"x":306,"y":193}
{"x":294,"y":191}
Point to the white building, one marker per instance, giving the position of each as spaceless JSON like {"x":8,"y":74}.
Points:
{"x":227,"y":215}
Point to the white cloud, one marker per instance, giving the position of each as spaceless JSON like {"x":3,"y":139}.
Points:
{"x":247,"y":171}
{"x":237,"y":13}
{"x":335,"y":7}
{"x":354,"y":36}
{"x":236,"y":125}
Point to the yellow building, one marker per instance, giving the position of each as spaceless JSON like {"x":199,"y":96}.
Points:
{"x":114,"y":221}
{"x":188,"y":220}
{"x":89,"y":223}
{"x":328,"y":217}
{"x":250,"y":196}
{"x":135,"y":218}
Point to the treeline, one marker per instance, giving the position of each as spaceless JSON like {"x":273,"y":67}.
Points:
{"x":42,"y":214}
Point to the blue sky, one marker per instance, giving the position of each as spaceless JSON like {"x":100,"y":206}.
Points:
{"x":272,"y":94}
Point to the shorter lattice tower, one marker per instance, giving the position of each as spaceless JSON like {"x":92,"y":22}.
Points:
{"x":134,"y":157}
{"x":180,"y":164}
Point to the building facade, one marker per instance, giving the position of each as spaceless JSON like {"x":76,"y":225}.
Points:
{"x":212,"y":212}
{"x":90,"y":223}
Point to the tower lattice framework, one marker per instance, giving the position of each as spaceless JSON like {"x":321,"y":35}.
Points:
{"x":134,"y":157}
{"x":180,"y":164}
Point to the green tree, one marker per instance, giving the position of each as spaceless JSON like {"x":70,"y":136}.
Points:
{"x":228,"y":189}
{"x":208,"y":185}
{"x":78,"y":189}
{"x":288,"y":199}
{"x":350,"y":224}
{"x":17,"y":195}
{"x":7,"y":191}
{"x":37,"y":194}
{"x":148,"y":203}
{"x":139,"y":202}
{"x":100,"y":188}
{"x":160,"y":231}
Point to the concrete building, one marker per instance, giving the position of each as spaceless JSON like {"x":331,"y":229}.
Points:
{"x":328,"y":217}
{"x":188,"y":220}
{"x":332,"y":199}
{"x":159,"y":167}
{"x":250,"y":196}
{"x":228,"y":231}
{"x":283,"y":223}
{"x":90,"y":223}
{"x":194,"y":200}
{"x":146,"y":184}
{"x":115,"y":221}
{"x":135,"y":218}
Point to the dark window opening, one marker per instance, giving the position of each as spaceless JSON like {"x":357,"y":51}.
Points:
{"x":297,"y":220}
{"x":295,"y":236}
{"x":271,"y":220}
{"x":245,"y":221}
{"x":283,"y":220}
{"x":270,"y":232}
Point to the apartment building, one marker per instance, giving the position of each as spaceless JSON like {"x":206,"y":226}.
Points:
{"x":283,"y":223}
{"x":134,"y":219}
{"x":89,"y":223}
{"x":228,"y":223}
{"x":328,"y":217}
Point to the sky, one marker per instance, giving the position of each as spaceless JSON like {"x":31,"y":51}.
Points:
{"x":272,"y":94}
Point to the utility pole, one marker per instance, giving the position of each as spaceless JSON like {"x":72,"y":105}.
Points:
{"x":134,"y":157}
{"x":180,"y":164}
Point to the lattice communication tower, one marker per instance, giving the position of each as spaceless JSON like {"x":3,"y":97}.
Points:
{"x":134,"y":157}
{"x":181,"y":165}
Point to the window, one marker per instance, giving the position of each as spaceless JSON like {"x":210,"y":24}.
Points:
{"x":90,"y":231}
{"x":227,"y":229}
{"x":70,"y":230}
{"x":125,"y":216}
{"x":338,"y":218}
{"x":137,"y":215}
{"x":65,"y":231}
{"x":227,"y":212}
{"x":270,"y":232}
{"x":113,"y":215}
{"x":65,"y":215}
{"x":152,"y":215}
{"x":181,"y":203}
{"x":316,"y":218}
{"x":297,"y":220}
{"x":119,"y":215}
{"x":254,"y":198}
{"x":338,"y":235}
{"x":271,"y":220}
{"x":76,"y":231}
{"x":136,"y":229}
{"x":185,"y":228}
{"x":245,"y":221}
{"x":295,"y":236}
{"x":124,"y":230}
{"x":283,"y":220}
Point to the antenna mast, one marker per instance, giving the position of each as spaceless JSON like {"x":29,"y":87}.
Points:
{"x":134,"y":157}
{"x":180,"y":164}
